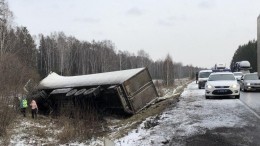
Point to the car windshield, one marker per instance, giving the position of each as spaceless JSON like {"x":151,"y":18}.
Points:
{"x":238,"y":73}
{"x":251,"y":77}
{"x":221,"y":77}
{"x":204,"y":74}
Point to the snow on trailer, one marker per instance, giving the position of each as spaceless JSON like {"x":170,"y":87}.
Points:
{"x":128,"y":90}
{"x":242,"y":66}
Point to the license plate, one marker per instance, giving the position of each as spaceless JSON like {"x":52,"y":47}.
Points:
{"x":222,"y":91}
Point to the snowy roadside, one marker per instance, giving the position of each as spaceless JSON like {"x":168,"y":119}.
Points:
{"x":192,"y":115}
{"x":31,"y":132}
{"x":174,"y":92}
{"x":44,"y":131}
{"x":169,"y":93}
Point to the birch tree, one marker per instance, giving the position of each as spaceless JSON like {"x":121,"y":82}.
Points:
{"x":6,"y":17}
{"x":168,"y":70}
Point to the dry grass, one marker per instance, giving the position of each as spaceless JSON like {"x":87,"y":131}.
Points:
{"x":6,"y":139}
{"x":80,"y":128}
{"x":7,"y":114}
{"x":31,"y":131}
{"x":67,"y":133}
{"x":40,"y":132}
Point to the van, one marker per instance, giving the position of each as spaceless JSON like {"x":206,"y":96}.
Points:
{"x":203,"y":77}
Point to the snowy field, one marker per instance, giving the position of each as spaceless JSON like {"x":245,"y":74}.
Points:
{"x":191,"y":116}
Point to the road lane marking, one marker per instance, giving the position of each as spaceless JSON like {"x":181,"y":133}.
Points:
{"x":251,"y":110}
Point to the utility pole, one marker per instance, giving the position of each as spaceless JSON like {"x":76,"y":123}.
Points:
{"x":258,"y":46}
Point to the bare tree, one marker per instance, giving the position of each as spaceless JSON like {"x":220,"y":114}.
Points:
{"x":168,"y":70}
{"x":6,"y":17}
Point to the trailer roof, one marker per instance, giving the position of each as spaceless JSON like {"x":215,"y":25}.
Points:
{"x":55,"y":81}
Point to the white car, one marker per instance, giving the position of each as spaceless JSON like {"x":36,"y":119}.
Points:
{"x":222,"y":84}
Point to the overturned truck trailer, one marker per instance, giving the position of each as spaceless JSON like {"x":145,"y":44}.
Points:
{"x":128,"y":90}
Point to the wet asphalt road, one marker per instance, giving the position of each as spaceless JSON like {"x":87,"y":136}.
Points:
{"x":244,"y":133}
{"x":252,"y":100}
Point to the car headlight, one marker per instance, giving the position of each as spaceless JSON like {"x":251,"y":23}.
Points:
{"x":248,"y":84}
{"x":209,"y":86}
{"x":234,"y":86}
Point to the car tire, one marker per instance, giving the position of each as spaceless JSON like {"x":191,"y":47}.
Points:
{"x":237,"y":96}
{"x":199,"y":87}
{"x":207,"y":97}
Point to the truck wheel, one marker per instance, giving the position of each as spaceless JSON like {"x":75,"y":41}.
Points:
{"x":81,"y":91}
{"x":71,"y":92}
{"x":92,"y":92}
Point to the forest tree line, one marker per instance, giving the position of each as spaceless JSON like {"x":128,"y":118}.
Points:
{"x":69,"y":56}
{"x":246,"y":52}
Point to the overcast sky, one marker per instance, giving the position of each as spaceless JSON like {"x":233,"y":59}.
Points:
{"x":197,"y":32}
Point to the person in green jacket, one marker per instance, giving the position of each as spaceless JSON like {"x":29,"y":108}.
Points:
{"x":23,"y":106}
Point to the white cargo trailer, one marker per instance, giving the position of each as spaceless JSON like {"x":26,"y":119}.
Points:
{"x":127,"y":90}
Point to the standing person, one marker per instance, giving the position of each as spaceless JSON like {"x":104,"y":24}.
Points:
{"x":197,"y":76}
{"x":23,"y":105}
{"x":34,"y":109}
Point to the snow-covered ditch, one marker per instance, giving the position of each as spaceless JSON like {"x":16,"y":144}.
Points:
{"x":192,"y":115}
{"x":33,"y":132}
{"x":44,"y":131}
